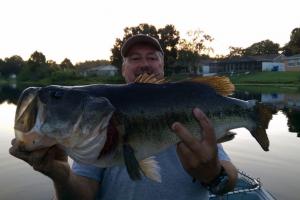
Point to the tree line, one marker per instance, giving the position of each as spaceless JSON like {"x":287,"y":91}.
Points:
{"x":179,"y":52}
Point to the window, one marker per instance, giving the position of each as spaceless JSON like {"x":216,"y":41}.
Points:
{"x":292,"y":63}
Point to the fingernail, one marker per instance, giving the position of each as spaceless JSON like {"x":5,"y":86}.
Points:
{"x":197,"y":112}
{"x":174,"y":125}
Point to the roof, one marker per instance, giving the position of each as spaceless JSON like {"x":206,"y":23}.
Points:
{"x":293,"y":56}
{"x":259,"y":58}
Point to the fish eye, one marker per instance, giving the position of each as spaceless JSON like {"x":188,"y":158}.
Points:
{"x":56,"y":94}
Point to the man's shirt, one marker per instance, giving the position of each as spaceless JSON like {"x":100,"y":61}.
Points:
{"x":176,"y":182}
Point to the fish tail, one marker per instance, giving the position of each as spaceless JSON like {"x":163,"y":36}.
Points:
{"x":264,"y":115}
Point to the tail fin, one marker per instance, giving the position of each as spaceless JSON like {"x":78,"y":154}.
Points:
{"x":264,"y":115}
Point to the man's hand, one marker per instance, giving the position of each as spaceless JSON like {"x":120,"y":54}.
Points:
{"x":50,"y":161}
{"x":198,"y":157}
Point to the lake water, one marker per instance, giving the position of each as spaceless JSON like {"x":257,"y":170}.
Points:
{"x":278,"y":169}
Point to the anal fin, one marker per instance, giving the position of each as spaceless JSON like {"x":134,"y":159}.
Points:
{"x":151,"y":168}
{"x":148,"y":167}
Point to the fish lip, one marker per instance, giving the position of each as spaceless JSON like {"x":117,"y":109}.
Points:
{"x":27,"y":108}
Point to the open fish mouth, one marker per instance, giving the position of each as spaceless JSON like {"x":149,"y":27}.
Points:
{"x":27,"y":110}
{"x":27,"y":120}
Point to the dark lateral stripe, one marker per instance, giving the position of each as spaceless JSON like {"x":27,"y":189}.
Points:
{"x":111,"y":140}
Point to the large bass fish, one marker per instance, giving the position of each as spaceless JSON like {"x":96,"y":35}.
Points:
{"x":107,"y":125}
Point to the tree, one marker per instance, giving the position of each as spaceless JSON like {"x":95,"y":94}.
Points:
{"x":293,"y":46}
{"x":36,"y":68}
{"x":192,"y":50}
{"x":52,"y":65}
{"x":264,"y":47}
{"x":12,"y":65}
{"x":66,"y":64}
{"x":235,"y":52}
{"x":116,"y":58}
{"x":168,"y":38}
{"x":37,"y":58}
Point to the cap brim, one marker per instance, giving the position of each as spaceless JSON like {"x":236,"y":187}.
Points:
{"x":137,"y":39}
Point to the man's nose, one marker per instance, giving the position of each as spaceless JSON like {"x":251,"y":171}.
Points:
{"x":146,"y":69}
{"x":144,"y":62}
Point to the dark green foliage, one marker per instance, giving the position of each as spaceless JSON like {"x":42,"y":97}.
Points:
{"x":264,"y":47}
{"x":66,"y":64}
{"x":35,"y":69}
{"x":168,"y":37}
{"x":293,"y":46}
{"x":10,"y":66}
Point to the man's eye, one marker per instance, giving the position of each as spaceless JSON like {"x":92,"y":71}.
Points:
{"x":134,"y":58}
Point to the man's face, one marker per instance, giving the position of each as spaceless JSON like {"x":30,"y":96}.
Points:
{"x":142,"y":58}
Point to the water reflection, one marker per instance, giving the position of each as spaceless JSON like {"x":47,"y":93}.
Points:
{"x":9,"y":93}
{"x":293,"y":116}
{"x":288,"y":103}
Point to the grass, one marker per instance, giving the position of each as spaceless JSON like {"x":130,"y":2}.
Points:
{"x":268,"y":89}
{"x":271,"y":78}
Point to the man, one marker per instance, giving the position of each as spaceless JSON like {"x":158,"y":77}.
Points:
{"x":188,"y":169}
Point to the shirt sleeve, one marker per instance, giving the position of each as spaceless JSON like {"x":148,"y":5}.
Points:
{"x":88,"y":171}
{"x":222,"y":155}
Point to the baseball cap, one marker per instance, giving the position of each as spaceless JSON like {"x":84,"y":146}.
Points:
{"x":140,"y":38}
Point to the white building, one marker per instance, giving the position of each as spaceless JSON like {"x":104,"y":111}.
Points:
{"x":104,"y":70}
{"x":273,"y":66}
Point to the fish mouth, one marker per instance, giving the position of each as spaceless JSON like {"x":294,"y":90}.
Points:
{"x":27,"y":121}
{"x":27,"y":110}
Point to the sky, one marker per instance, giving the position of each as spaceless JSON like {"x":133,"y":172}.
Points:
{"x":86,"y":29}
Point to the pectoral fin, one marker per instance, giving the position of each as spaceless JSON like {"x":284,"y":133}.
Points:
{"x":227,"y":137}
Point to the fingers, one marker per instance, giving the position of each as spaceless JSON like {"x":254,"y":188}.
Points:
{"x":13,"y":141}
{"x":185,"y":136}
{"x":185,"y":154}
{"x":182,"y":150}
{"x":36,"y":157}
{"x":15,"y":151}
{"x":208,"y":130}
{"x":32,"y":158}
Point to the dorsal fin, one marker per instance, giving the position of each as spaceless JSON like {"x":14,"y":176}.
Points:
{"x":149,"y":78}
{"x":221,"y":84}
